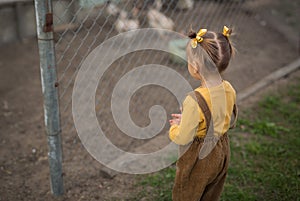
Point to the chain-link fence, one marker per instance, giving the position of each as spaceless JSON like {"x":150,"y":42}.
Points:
{"x":93,"y":24}
{"x":83,"y":25}
{"x":80,"y":26}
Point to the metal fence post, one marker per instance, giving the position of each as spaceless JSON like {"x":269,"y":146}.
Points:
{"x":44,"y":20}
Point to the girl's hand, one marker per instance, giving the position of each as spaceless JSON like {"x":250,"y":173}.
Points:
{"x":176,"y":119}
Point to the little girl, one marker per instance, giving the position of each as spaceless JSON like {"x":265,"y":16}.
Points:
{"x":207,"y":114}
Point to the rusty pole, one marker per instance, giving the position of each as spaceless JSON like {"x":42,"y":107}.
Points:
{"x":44,"y":20}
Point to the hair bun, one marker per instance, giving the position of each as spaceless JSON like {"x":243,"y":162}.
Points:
{"x":192,"y":34}
{"x":227,"y":31}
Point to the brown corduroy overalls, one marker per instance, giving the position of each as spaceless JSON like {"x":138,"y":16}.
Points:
{"x":202,"y":179}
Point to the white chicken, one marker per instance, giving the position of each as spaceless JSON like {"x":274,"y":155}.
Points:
{"x":112,"y":9}
{"x":185,"y":4}
{"x":123,"y":23}
{"x":158,"y":20}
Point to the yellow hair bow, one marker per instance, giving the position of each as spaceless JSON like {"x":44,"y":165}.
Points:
{"x":198,"y":38}
{"x":226,"y":31}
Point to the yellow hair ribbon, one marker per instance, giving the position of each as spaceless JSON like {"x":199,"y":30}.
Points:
{"x":226,"y":31}
{"x":198,"y":38}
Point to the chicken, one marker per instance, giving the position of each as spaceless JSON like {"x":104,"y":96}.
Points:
{"x":185,"y":4}
{"x":112,"y":9}
{"x":123,"y":23}
{"x":157,"y":5}
{"x":158,"y":20}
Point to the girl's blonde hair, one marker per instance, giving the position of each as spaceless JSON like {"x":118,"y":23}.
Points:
{"x":214,"y":51}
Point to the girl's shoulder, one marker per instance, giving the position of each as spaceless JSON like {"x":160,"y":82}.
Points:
{"x":190,"y":101}
{"x":230,"y":90}
{"x":225,"y":85}
{"x":190,"y":98}
{"x":228,"y":86}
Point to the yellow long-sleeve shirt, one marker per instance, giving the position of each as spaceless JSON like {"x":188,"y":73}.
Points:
{"x":220,"y":100}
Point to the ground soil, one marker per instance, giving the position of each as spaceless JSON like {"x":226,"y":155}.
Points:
{"x":24,"y":169}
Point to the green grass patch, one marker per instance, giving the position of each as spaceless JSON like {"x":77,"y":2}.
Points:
{"x":157,"y":186}
{"x":265,"y":153}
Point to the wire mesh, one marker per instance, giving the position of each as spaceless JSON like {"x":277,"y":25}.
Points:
{"x":82,"y":25}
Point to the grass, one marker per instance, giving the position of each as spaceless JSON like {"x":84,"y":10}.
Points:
{"x":265,"y":153}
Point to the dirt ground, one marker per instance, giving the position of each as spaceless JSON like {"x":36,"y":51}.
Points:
{"x":24,"y":169}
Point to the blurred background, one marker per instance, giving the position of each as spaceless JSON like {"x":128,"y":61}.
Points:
{"x":266,"y":37}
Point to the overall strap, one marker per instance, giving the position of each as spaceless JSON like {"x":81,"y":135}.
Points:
{"x":203,"y":106}
{"x":235,"y":112}
{"x":210,"y":140}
